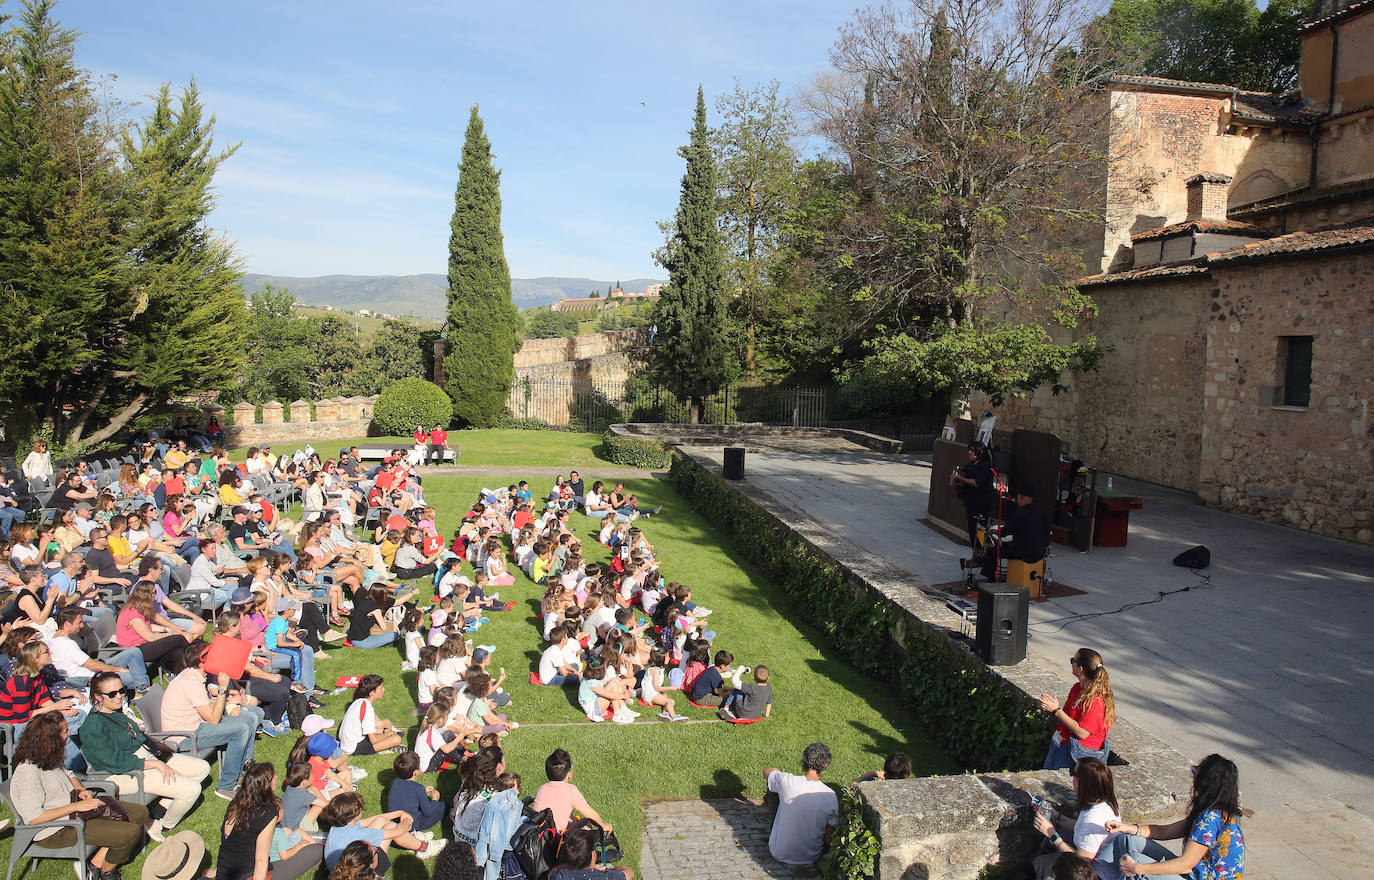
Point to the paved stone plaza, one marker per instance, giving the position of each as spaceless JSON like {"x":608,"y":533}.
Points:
{"x":1272,"y":666}
{"x":724,"y":839}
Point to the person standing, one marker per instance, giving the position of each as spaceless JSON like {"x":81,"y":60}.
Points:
{"x":438,"y":444}
{"x":975,"y":484}
{"x":807,"y":809}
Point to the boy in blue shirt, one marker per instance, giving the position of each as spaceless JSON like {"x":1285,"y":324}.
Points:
{"x":420,"y":802}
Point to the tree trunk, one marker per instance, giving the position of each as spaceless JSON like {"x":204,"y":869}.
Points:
{"x":694,"y":407}
{"x":119,"y":420}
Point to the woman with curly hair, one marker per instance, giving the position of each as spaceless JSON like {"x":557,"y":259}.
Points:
{"x":360,"y":861}
{"x":41,"y":791}
{"x":1086,"y":715}
{"x":250,"y":846}
{"x":1215,"y":848}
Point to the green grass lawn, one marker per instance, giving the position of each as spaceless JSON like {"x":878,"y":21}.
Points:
{"x":817,"y":695}
{"x":485,"y":448}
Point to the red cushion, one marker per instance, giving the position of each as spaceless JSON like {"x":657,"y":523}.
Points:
{"x":743,"y":720}
{"x":226,"y":654}
{"x":534,"y":678}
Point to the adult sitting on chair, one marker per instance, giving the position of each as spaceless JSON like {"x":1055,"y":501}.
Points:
{"x":229,"y":719}
{"x":1025,"y":535}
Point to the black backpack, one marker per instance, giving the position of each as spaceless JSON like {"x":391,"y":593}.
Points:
{"x":535,"y":844}
{"x":297,"y":707}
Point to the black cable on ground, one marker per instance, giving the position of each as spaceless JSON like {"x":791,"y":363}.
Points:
{"x":1204,"y":583}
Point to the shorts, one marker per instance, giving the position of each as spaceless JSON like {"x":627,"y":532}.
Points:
{"x":364,"y":747}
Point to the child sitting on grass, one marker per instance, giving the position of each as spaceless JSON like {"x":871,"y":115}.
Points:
{"x":601,"y":690}
{"x":427,"y":680}
{"x":344,"y":815}
{"x":414,"y":639}
{"x":438,"y":619}
{"x":751,"y":699}
{"x":301,"y":802}
{"x":562,"y":797}
{"x":450,"y":576}
{"x":710,"y":689}
{"x":651,"y":687}
{"x":329,"y":770}
{"x":481,"y":659}
{"x":554,"y":666}
{"x":420,"y":802}
{"x":361,"y":732}
{"x":480,"y":712}
{"x":439,"y":739}
{"x":577,"y":859}
{"x":453,"y":662}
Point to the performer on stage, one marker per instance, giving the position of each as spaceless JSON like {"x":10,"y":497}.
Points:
{"x":1025,"y":535}
{"x":974,"y":482}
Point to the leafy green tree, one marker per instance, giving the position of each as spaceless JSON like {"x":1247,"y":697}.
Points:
{"x":548,"y":324}
{"x":693,"y":351}
{"x":279,"y":358}
{"x":336,"y":358}
{"x":400,"y":349}
{"x":63,"y":299}
{"x":189,"y":322}
{"x":1232,"y":42}
{"x":483,"y":325}
{"x":757,"y":162}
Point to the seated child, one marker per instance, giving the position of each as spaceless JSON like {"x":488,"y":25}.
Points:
{"x":438,"y":739}
{"x":437,"y":620}
{"x":453,"y":662}
{"x":897,"y":766}
{"x":562,"y":797}
{"x":600,"y":690}
{"x":651,"y":687}
{"x":710,"y":689}
{"x":414,"y":639}
{"x":481,"y":658}
{"x":751,"y":699}
{"x":554,"y":667}
{"x":480,"y":712}
{"x":420,"y":802}
{"x":577,"y":859}
{"x":450,"y":575}
{"x":329,"y":770}
{"x":344,"y":815}
{"x":428,"y":679}
{"x":301,"y":802}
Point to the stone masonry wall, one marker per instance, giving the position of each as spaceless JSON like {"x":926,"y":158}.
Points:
{"x":535,"y":352}
{"x":1310,"y":467}
{"x":338,"y":418}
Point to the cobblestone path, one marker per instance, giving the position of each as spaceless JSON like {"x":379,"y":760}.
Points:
{"x":710,"y":840}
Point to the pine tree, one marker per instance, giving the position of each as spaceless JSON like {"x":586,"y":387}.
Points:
{"x":483,"y":325}
{"x":693,"y":322}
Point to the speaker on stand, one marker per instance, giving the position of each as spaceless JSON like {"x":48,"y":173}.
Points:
{"x":1003,"y":616}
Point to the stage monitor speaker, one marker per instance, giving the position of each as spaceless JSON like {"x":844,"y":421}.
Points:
{"x":734,"y":462}
{"x":1003,"y":613}
{"x":1194,"y":557}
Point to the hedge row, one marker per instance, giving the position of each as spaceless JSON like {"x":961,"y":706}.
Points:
{"x":633,"y":452}
{"x":976,"y":716}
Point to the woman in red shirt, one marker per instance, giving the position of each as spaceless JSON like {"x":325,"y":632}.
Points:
{"x":1085,"y":717}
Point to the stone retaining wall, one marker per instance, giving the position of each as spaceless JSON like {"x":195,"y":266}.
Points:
{"x":574,"y":348}
{"x":338,"y":418}
{"x":738,"y":435}
{"x":950,"y":828}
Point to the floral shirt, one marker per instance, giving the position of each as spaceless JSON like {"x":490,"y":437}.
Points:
{"x":1225,"y":859}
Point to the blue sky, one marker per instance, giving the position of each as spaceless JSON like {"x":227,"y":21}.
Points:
{"x":351,"y":115}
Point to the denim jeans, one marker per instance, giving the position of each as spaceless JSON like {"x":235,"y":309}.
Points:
{"x":377,"y":641}
{"x":1065,"y":755}
{"x":132,"y":660}
{"x":1142,"y":850}
{"x":559,"y":680}
{"x":302,"y":661}
{"x":189,"y":550}
{"x":8,"y":517}
{"x":236,"y":734}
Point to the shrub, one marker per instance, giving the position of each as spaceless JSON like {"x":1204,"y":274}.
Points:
{"x":406,"y":403}
{"x":508,"y":421}
{"x":632,"y":452}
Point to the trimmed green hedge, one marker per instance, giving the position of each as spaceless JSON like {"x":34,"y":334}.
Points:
{"x":633,"y":452}
{"x":411,"y":402}
{"x":976,"y":716}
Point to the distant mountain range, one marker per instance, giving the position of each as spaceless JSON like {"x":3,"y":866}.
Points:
{"x":423,"y":295}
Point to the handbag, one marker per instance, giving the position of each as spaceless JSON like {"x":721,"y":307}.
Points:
{"x":109,"y":808}
{"x":160,"y":749}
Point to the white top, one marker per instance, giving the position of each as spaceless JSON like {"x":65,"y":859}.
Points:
{"x":359,"y":720}
{"x":805,"y":809}
{"x":549,"y":662}
{"x":67,"y":656}
{"x":601,"y":619}
{"x":1090,"y":831}
{"x":414,"y":642}
{"x":552,"y":619}
{"x":25,"y":553}
{"x":462,"y":701}
{"x":451,"y":670}
{"x":37,"y":464}
{"x":425,"y":683}
{"x":427,"y":745}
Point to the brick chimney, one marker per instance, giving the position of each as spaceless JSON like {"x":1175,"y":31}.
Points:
{"x":1207,"y":196}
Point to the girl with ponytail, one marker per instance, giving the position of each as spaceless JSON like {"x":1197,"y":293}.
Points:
{"x":1085,"y":717}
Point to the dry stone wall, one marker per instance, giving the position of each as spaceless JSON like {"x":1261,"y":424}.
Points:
{"x":338,"y":418}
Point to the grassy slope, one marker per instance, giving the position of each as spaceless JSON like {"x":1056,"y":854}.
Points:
{"x":817,"y":694}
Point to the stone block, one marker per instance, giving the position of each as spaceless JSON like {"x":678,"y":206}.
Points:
{"x":272,"y":413}
{"x":300,"y":411}
{"x":244,"y":414}
{"x":327,"y":410}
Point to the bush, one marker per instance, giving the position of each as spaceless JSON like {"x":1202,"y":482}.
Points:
{"x":995,"y":726}
{"x":406,"y":403}
{"x":631,"y":452}
{"x":508,"y":421}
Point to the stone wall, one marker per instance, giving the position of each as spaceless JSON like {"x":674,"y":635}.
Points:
{"x":950,"y":828}
{"x":338,"y":418}
{"x":535,"y":352}
{"x":1309,"y":467}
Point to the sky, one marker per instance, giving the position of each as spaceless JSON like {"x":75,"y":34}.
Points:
{"x":351,"y":115}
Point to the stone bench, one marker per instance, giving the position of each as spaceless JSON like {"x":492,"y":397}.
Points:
{"x":377,"y":453}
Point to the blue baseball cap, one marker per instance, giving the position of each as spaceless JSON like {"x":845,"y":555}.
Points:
{"x":322,"y":745}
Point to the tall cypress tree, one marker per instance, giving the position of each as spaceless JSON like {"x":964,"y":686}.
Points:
{"x":693,"y":323}
{"x":483,"y":326}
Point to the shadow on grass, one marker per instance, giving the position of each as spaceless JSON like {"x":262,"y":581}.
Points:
{"x":724,"y":784}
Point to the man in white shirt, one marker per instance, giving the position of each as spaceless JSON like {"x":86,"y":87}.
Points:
{"x":204,"y":576}
{"x":807,"y":809}
{"x":84,"y":523}
{"x":77,"y":666}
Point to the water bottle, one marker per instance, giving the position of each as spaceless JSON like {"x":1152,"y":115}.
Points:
{"x":1109,"y":482}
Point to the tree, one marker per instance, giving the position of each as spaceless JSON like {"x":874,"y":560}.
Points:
{"x":1231,"y":42}
{"x":483,"y":325}
{"x":693,"y":349}
{"x":399,"y":350}
{"x":278,"y":353}
{"x":548,"y":324}
{"x":335,"y":358}
{"x":189,"y":322}
{"x":969,"y":141}
{"x":757,"y":162}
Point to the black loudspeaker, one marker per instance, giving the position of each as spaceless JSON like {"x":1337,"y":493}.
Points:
{"x":734,"y":462}
{"x":1197,"y":557}
{"x":1003,"y":613}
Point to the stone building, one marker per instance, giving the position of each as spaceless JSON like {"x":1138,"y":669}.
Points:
{"x":1236,"y":291}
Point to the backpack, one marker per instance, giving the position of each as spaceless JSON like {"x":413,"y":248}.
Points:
{"x":535,"y":844}
{"x":297,"y":707}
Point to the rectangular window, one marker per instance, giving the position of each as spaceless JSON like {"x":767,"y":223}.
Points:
{"x":1297,"y":370}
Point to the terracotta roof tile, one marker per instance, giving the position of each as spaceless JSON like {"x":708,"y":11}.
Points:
{"x":1307,"y":195}
{"x":1283,"y":107}
{"x":1349,"y":10}
{"x":1148,"y":273}
{"x":1359,"y":233}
